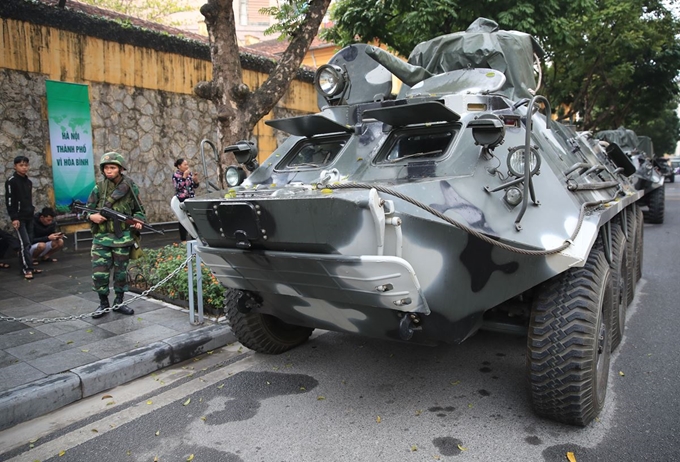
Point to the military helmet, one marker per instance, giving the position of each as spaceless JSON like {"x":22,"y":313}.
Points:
{"x":112,"y":158}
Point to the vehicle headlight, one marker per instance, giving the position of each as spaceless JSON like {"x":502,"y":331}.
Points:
{"x":516,"y":159}
{"x":234,"y":176}
{"x":329,"y":80}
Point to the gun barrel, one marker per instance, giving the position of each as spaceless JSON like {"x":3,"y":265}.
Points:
{"x":407,"y":73}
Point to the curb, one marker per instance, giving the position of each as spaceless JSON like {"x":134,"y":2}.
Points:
{"x":45,"y":395}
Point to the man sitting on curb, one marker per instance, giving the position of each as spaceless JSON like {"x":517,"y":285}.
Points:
{"x":46,"y":240}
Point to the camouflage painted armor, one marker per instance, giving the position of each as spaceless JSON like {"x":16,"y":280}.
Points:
{"x":108,"y":250}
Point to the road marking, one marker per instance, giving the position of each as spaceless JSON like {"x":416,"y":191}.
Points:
{"x":82,"y":435}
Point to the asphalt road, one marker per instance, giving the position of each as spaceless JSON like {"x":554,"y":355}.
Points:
{"x":346,"y":398}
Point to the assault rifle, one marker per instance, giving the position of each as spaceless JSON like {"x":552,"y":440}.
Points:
{"x":117,"y":217}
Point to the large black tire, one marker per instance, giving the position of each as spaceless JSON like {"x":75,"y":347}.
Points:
{"x":657,"y":205}
{"x":262,"y":332}
{"x":631,"y":251}
{"x":639,"y":244}
{"x":569,"y":342}
{"x":620,"y":279}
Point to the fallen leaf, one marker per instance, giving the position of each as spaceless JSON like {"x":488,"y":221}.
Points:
{"x":435,"y":457}
{"x":61,"y":453}
{"x":204,"y":418}
{"x":471,"y":405}
{"x":210,"y":352}
{"x":462,"y":448}
{"x":268,"y":383}
{"x":378,"y":419}
{"x":110,"y":403}
{"x":149,"y":402}
{"x":220,"y":386}
{"x":571,"y":457}
{"x":68,"y":342}
{"x":414,"y":448}
{"x":418,"y":411}
{"x":190,"y":458}
{"x":158,"y":432}
{"x":89,"y":331}
{"x":85,"y":351}
{"x":94,"y":430}
{"x":455,"y":383}
{"x":622,"y":374}
{"x":303,"y":389}
{"x":155,"y":458}
{"x":320,"y":398}
{"x":107,"y":397}
{"x":186,"y":402}
{"x":33,"y":441}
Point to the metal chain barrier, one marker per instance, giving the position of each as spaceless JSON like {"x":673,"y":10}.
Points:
{"x":107,"y":310}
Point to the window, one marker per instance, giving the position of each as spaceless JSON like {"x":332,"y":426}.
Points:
{"x":312,"y":154}
{"x":417,"y":144}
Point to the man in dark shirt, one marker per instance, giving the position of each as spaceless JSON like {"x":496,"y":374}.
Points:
{"x":19,"y":201}
{"x":46,"y":240}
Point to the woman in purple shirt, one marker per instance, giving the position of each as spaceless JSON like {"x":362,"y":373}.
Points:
{"x":185,"y":182}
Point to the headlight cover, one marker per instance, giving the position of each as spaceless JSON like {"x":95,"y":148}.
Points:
{"x":329,"y":80}
{"x":234,"y":176}
{"x":516,"y":161}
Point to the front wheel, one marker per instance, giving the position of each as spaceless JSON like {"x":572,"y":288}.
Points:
{"x":260,"y":332}
{"x":569,"y":342}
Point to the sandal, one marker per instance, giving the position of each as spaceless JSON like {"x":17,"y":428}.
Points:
{"x":28,"y":275}
{"x":4,"y":265}
{"x":49,"y":260}
{"x":37,"y":271}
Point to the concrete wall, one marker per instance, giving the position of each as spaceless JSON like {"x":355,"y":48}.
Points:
{"x":141,"y":105}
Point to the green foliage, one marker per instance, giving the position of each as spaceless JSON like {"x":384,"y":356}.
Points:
{"x":289,"y":17}
{"x":156,"y":264}
{"x":151,"y":10}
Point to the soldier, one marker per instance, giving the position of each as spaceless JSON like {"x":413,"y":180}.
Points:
{"x":111,"y":246}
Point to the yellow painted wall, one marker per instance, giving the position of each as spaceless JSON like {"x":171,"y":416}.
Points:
{"x":69,"y":57}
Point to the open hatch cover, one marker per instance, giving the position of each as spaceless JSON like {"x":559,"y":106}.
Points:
{"x":409,"y":114}
{"x":308,"y":125}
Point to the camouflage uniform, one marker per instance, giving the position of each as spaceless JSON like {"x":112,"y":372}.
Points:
{"x":109,"y":250}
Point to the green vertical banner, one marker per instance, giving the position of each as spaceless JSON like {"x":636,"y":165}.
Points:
{"x":68,"y":111}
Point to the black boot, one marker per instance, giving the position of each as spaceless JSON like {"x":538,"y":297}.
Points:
{"x":123,"y":309}
{"x":103,"y":304}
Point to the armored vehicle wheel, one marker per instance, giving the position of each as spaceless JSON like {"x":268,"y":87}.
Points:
{"x":569,"y":342}
{"x":639,"y":244}
{"x":261,"y":332}
{"x":631,"y":251}
{"x":657,"y":204}
{"x":620,"y":280}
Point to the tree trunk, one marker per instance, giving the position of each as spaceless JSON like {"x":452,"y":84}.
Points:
{"x":238,"y":108}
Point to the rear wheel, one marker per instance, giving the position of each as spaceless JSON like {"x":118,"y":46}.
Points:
{"x":569,"y":342}
{"x":620,"y":280}
{"x":631,"y":251}
{"x":639,"y":244}
{"x":261,"y":332}
{"x":657,"y":205}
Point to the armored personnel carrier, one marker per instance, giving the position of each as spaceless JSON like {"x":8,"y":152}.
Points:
{"x":651,"y":170}
{"x":454,"y":206}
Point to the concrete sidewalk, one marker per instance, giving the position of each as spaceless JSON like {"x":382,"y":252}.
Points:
{"x":46,"y":366}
